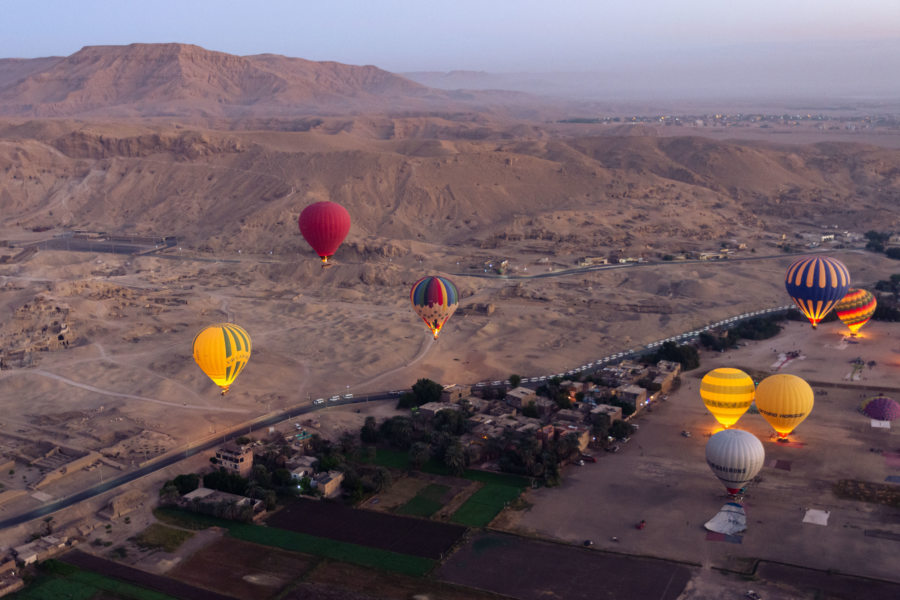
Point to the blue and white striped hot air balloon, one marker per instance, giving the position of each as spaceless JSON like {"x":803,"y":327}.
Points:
{"x":816,"y":284}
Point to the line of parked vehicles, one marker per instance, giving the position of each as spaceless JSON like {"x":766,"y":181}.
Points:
{"x":684,"y":337}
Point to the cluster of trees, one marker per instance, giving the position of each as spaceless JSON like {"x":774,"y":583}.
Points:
{"x":877,"y":240}
{"x":349,"y":457}
{"x":424,"y":439}
{"x":423,"y":392}
{"x":684,"y":354}
{"x":753,"y":329}
{"x":529,"y":456}
{"x":552,"y":389}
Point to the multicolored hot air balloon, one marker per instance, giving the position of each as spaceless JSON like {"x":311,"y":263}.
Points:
{"x":855,"y":309}
{"x":324,"y":225}
{"x":735,"y":457}
{"x":727,"y":393}
{"x":222,"y":352}
{"x":816,"y":284}
{"x":784,"y":401}
{"x":881,"y":408}
{"x":434,"y":299}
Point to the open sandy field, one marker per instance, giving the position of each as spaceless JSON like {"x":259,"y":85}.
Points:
{"x":127,"y":388}
{"x":662,"y":477}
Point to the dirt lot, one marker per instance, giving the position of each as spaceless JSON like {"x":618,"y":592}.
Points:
{"x":418,"y":537}
{"x":532,"y":570}
{"x":662,"y":477}
{"x":241,"y":569}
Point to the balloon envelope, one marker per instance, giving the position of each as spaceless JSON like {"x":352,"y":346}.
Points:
{"x":434,"y":299}
{"x":855,"y":309}
{"x":222,"y":352}
{"x":784,"y":401}
{"x":882,"y":408}
{"x":735,"y":457}
{"x":816,"y":284}
{"x":324,"y":225}
{"x":727,"y":393}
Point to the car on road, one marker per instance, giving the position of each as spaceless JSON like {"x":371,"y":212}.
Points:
{"x":588,"y":458}
{"x":348,"y":396}
{"x":334,"y":398}
{"x":319,"y":401}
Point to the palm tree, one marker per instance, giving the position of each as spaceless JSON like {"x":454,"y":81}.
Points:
{"x":419,"y":453}
{"x":455,"y":458}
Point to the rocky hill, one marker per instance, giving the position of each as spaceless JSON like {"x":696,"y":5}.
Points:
{"x":185,"y":80}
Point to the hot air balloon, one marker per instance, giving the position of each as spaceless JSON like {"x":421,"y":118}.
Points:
{"x":727,"y":393}
{"x":855,"y":309}
{"x":881,"y":408}
{"x":222,"y":351}
{"x":434,"y":299}
{"x":784,"y":401}
{"x":324,"y":225}
{"x":735,"y":457}
{"x":816,"y":284}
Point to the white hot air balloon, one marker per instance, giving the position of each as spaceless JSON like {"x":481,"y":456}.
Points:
{"x":735,"y":457}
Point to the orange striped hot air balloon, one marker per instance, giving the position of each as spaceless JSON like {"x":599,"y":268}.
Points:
{"x":222,"y":352}
{"x":855,"y":309}
{"x":816,"y":284}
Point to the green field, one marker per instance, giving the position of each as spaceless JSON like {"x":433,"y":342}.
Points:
{"x":58,"y":581}
{"x":428,"y":501}
{"x":307,"y":544}
{"x":484,"y":505}
{"x":479,"y":510}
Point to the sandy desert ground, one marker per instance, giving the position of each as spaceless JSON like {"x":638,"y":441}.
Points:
{"x":127,"y":386}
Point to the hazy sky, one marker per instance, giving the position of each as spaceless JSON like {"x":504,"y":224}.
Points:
{"x":487,"y":35}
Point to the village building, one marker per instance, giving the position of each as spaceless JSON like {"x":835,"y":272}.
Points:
{"x":581,"y":432}
{"x":203,"y":495}
{"x":519,"y":397}
{"x":9,"y":577}
{"x":632,"y":395}
{"x":455,"y":393}
{"x":330,"y":483}
{"x":430,"y":409}
{"x":544,"y":406}
{"x":572,"y":416}
{"x":606,"y":414}
{"x":235,"y":458}
{"x":40,"y":549}
{"x":123,"y":504}
{"x":302,"y":466}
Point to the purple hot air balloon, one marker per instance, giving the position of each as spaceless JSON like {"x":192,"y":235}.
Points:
{"x":882,"y":408}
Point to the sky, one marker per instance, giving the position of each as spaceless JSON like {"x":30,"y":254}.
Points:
{"x":498,"y":36}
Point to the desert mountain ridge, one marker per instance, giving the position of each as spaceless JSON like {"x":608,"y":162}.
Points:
{"x":183,"y":80}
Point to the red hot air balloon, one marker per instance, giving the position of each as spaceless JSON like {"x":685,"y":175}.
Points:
{"x":324,"y":225}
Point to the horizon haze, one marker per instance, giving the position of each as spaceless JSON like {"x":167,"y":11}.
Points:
{"x":578,"y":50}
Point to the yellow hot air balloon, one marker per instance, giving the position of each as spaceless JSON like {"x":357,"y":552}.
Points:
{"x":784,"y":401}
{"x":727,"y":393}
{"x":222,"y":351}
